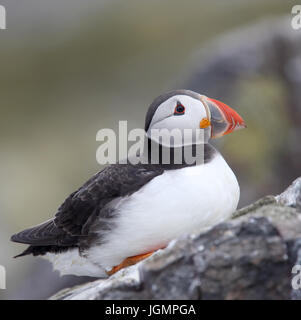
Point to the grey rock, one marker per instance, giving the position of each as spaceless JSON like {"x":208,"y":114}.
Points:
{"x":248,"y":257}
{"x":292,"y":195}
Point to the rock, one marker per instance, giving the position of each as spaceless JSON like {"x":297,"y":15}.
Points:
{"x":248,"y":257}
{"x":292,"y":195}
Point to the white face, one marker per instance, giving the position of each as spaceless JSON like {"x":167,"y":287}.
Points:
{"x":179,"y":113}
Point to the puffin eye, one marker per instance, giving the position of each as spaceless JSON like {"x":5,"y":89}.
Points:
{"x":179,"y":110}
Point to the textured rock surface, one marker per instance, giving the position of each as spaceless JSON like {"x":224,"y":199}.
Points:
{"x":292,"y":195}
{"x":248,"y":257}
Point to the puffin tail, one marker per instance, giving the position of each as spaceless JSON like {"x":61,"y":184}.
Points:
{"x":26,"y":252}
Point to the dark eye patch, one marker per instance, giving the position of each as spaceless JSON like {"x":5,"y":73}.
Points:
{"x":179,"y":109}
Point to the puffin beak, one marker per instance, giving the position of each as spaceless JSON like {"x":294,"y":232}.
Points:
{"x":224,"y":120}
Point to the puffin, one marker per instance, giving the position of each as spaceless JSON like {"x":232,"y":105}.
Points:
{"x":128,"y":211}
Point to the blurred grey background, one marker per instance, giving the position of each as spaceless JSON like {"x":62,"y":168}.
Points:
{"x":71,"y":67}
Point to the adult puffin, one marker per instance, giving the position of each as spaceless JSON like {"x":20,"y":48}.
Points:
{"x":125,"y":212}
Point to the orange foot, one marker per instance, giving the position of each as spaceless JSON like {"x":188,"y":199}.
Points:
{"x":129,"y":262}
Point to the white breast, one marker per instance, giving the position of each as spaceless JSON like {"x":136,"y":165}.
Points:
{"x":182,"y":201}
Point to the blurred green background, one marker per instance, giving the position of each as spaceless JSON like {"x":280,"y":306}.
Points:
{"x":69,"y":68}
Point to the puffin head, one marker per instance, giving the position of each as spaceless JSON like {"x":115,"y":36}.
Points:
{"x":185,"y":109}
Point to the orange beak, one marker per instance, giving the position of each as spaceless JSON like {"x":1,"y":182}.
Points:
{"x":224,"y":119}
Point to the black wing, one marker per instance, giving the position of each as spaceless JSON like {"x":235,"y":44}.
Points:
{"x":75,"y":216}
